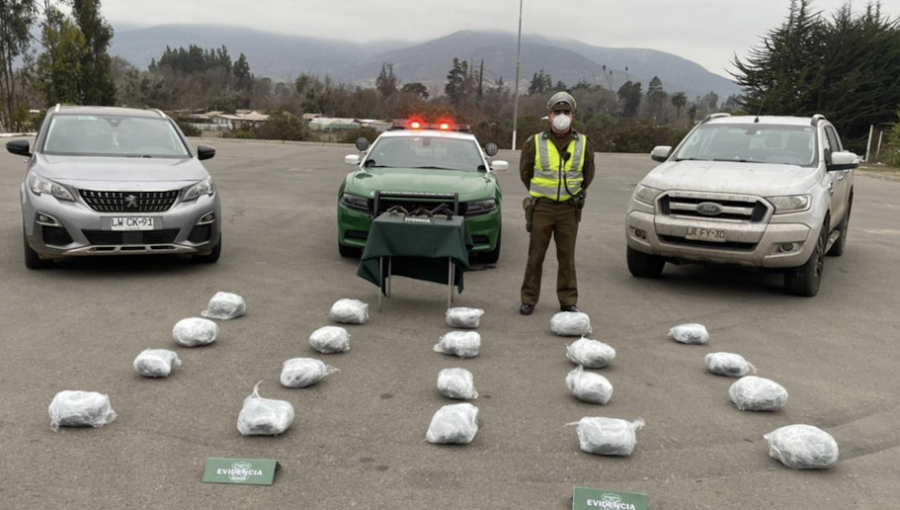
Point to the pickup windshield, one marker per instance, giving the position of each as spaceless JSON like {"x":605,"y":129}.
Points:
{"x":775,"y":144}
{"x":425,"y":152}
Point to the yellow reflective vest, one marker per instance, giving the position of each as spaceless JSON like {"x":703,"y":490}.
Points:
{"x":555,"y":177}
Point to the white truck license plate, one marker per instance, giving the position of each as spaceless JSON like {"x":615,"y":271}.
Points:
{"x":705,"y":234}
{"x":132,"y":223}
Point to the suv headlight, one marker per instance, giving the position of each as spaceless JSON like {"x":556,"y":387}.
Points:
{"x":480,"y":207}
{"x":204,"y":187}
{"x":791,"y":204}
{"x":355,"y":202}
{"x":646,"y":194}
{"x":40,"y":185}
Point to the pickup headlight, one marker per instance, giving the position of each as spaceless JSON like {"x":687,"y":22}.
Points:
{"x":646,"y":194}
{"x":204,"y":187}
{"x":791,"y":204}
{"x":480,"y":207}
{"x":40,"y":185}
{"x":355,"y":202}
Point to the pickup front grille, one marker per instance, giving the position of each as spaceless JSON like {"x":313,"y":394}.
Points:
{"x":113,"y":238}
{"x":129,"y":201}
{"x":753,"y":211}
{"x":730,"y":245}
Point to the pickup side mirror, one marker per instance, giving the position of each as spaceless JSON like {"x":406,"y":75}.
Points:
{"x":19,"y":148}
{"x":661,"y":153}
{"x":352,"y":159}
{"x":844,"y":160}
{"x":500,"y":166}
{"x":205,"y":152}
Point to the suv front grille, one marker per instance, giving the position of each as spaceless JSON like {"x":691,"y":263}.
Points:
{"x":113,"y":238}
{"x":56,"y":236}
{"x":750,"y":210}
{"x":129,"y":201}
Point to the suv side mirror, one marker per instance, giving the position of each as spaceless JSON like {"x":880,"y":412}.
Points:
{"x":19,"y":148}
{"x":205,"y":152}
{"x":661,"y":153}
{"x":362,"y":144}
{"x":844,"y":160}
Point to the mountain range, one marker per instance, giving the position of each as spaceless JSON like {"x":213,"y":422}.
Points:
{"x":283,"y":56}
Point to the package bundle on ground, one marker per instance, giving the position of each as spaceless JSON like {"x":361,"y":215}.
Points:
{"x":589,"y":387}
{"x":690,"y":334}
{"x":753,"y":393}
{"x":590,"y":353}
{"x":225,"y":306}
{"x":263,"y":416}
{"x":803,"y":447}
{"x":330,"y":340}
{"x":195,"y":332}
{"x":350,"y":311}
{"x":156,"y":362}
{"x":303,"y":372}
{"x":464,"y":344}
{"x":607,"y":436}
{"x":728,"y":364}
{"x":464,"y":318}
{"x":570,"y":324}
{"x":457,"y":383}
{"x":80,"y":409}
{"x":453,"y":424}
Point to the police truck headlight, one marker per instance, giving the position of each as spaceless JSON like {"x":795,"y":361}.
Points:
{"x":40,"y":185}
{"x":791,"y":204}
{"x":355,"y":202}
{"x":646,"y":194}
{"x":480,"y":207}
{"x":204,"y":187}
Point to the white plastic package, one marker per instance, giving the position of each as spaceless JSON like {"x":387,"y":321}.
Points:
{"x":753,"y":393}
{"x":588,"y":386}
{"x":224,"y":306}
{"x":350,"y":311}
{"x":590,"y":353}
{"x":195,"y":331}
{"x":728,"y":364}
{"x":457,"y":383}
{"x":263,"y":416}
{"x":156,"y":362}
{"x":303,"y":372}
{"x":465,"y":318}
{"x":607,"y":436}
{"x":803,"y":447}
{"x":330,"y":340}
{"x":464,"y":344}
{"x":690,"y":334}
{"x":570,"y":324}
{"x":80,"y":409}
{"x":453,"y":424}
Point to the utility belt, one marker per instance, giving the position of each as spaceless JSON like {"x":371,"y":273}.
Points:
{"x":528,"y":204}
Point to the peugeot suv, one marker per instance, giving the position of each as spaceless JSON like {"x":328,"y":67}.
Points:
{"x":764,"y":192}
{"x":115,"y":181}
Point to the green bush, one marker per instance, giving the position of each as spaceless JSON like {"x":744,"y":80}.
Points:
{"x":282,"y":126}
{"x":187,"y":128}
{"x":365,"y":132}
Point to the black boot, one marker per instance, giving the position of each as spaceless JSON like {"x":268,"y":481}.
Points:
{"x":526,"y":309}
{"x":570,"y":308}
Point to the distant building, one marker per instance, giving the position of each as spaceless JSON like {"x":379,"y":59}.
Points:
{"x":330,"y":125}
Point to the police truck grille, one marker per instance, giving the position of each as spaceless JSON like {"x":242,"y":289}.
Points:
{"x":129,"y":201}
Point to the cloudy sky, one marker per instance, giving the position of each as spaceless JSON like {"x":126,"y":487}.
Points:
{"x":708,"y":32}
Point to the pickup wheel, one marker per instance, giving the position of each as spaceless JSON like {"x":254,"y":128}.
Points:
{"x":642,"y":265}
{"x":838,"y":248}
{"x":804,"y":280}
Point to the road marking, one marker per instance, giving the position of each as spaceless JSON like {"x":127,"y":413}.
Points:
{"x":882,"y":231}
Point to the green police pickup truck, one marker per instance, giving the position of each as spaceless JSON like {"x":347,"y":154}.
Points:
{"x":415,"y":166}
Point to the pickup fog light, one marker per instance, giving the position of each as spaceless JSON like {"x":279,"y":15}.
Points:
{"x":207,"y":219}
{"x":47,"y":221}
{"x":638,"y":233}
{"x":787,"y":247}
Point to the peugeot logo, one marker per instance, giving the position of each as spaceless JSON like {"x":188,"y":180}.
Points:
{"x":131,"y":201}
{"x":709,"y":209}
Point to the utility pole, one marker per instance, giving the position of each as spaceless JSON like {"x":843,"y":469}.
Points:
{"x":516,"y":94}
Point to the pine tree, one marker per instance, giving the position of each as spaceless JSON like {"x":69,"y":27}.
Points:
{"x":95,"y":83}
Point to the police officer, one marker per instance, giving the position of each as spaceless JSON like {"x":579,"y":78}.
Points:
{"x":557,"y":167}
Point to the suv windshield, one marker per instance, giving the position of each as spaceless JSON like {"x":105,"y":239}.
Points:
{"x":790,"y":145}
{"x":431,"y":152}
{"x":113,"y":136}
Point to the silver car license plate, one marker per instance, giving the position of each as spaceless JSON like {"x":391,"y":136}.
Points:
{"x":705,"y":234}
{"x":132,"y":223}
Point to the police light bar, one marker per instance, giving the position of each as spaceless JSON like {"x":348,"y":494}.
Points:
{"x":416,"y":124}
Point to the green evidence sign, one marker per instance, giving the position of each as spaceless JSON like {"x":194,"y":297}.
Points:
{"x":590,"y":499}
{"x":240,"y":471}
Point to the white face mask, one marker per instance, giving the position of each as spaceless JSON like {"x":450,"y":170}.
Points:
{"x":561,"y":123}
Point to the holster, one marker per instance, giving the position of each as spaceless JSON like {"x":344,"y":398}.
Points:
{"x":579,"y":205}
{"x":528,"y":205}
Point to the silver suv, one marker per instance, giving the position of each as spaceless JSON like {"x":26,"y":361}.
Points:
{"x":115,"y":181}
{"x":765,"y":192}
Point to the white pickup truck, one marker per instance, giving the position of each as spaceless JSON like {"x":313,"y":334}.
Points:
{"x":766,"y":192}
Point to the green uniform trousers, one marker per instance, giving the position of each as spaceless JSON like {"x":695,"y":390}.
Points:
{"x":556,"y":220}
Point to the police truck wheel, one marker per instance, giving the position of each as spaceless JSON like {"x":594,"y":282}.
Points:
{"x":643,"y":265}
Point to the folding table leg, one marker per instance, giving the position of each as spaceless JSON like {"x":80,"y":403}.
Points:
{"x":380,"y":279}
{"x":450,"y":282}
{"x":390,"y":276}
